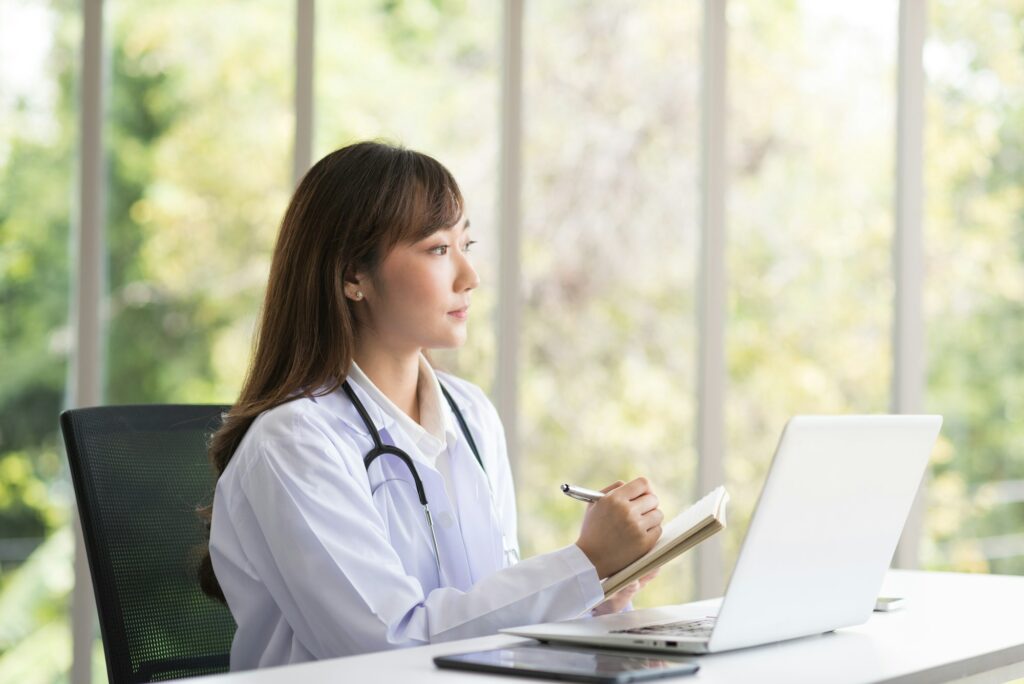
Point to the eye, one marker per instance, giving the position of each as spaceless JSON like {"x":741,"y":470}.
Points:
{"x":469,"y":246}
{"x":439,"y":250}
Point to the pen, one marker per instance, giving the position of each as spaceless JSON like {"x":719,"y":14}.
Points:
{"x":581,"y":493}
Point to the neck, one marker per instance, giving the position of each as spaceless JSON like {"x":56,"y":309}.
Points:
{"x":396,"y":374}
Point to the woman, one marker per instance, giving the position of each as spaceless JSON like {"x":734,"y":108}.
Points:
{"x":319,"y":539}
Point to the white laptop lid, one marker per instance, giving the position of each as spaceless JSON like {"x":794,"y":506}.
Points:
{"x":825,"y":527}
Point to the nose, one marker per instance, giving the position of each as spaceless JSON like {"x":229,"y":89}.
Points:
{"x":467,"y":278}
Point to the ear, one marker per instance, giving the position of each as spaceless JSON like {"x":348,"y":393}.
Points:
{"x":354,"y":286}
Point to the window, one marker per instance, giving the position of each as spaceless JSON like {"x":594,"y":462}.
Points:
{"x":426,"y":76}
{"x":39,"y":45}
{"x":608,"y":260}
{"x":974,"y":292}
{"x":199,"y":131}
{"x":199,"y":144}
{"x":810,"y":222}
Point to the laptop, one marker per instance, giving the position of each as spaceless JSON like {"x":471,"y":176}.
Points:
{"x":816,"y":552}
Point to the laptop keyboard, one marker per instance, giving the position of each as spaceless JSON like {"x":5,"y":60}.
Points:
{"x":683,"y":628}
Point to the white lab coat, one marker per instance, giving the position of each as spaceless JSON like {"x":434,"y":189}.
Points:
{"x":319,"y":558}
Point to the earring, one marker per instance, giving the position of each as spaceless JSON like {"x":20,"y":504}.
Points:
{"x":359,"y":295}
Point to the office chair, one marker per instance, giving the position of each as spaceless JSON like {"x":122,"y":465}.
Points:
{"x":139,"y":474}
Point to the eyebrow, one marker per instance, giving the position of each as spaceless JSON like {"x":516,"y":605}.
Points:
{"x":465,"y":227}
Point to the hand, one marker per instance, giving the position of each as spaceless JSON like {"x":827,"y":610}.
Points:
{"x":620,"y":599}
{"x":620,"y":527}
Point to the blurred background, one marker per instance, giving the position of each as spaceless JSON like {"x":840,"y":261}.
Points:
{"x":198,"y":131}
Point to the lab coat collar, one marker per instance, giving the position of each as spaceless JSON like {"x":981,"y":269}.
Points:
{"x":339,"y":405}
{"x":433,"y":406}
{"x":348,"y":413}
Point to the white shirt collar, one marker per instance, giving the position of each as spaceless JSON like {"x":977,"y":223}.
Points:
{"x":435,"y":427}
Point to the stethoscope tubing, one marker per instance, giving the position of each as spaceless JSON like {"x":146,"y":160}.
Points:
{"x":380,"y":449}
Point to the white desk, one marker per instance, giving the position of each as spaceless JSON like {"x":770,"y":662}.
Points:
{"x":953,"y":627}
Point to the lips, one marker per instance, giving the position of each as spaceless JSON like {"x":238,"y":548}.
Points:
{"x":459,"y":313}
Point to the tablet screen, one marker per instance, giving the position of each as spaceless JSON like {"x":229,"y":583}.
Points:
{"x":580,"y":664}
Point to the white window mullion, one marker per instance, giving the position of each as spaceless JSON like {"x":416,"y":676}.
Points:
{"x":86,"y":369}
{"x":908,"y":372}
{"x":509,"y":224}
{"x":711,"y":371}
{"x":305,"y":41}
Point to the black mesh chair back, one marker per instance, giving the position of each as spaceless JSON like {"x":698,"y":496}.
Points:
{"x":139,"y":474}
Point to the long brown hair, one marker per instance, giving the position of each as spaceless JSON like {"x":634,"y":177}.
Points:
{"x":348,"y":212}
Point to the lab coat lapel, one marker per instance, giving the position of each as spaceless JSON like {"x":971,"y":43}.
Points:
{"x":455,"y":564}
{"x":480,"y":528}
{"x":479,"y":532}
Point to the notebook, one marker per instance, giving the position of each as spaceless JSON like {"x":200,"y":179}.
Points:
{"x":698,"y":522}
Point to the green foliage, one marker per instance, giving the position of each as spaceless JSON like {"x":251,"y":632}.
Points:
{"x":38,"y":593}
{"x":36,"y":165}
{"x":975,"y":297}
{"x":27,"y":508}
{"x":608,"y":261}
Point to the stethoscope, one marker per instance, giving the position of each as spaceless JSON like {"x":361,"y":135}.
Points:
{"x":380,"y":448}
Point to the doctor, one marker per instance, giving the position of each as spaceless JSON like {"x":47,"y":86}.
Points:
{"x":365,"y":500}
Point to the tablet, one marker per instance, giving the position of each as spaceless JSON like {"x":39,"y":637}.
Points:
{"x":569,"y":664}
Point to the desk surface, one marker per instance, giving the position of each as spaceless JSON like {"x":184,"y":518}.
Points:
{"x":953,"y":626}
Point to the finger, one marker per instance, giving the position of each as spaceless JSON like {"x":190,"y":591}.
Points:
{"x":652,"y":519}
{"x":649,"y":576}
{"x":625,"y":593}
{"x":634,"y":488}
{"x":655,"y":532}
{"x":613,"y":486}
{"x":645,"y":503}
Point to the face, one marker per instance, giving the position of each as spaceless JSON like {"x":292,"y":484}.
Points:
{"x":419,"y":296}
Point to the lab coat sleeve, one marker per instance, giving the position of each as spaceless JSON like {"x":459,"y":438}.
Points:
{"x":341,"y":585}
